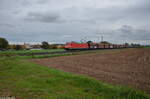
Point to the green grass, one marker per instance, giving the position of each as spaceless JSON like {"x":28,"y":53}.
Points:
{"x":25,"y":80}
{"x":31,"y":51}
{"x":15,"y":53}
{"x":146,"y":46}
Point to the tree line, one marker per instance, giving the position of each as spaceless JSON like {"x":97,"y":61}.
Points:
{"x":4,"y":45}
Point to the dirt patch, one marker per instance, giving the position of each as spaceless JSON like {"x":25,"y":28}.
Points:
{"x":129,"y":67}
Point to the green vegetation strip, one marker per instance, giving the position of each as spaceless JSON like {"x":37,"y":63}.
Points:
{"x":147,"y":47}
{"x":25,"y":80}
{"x":14,"y":53}
{"x":30,"y":51}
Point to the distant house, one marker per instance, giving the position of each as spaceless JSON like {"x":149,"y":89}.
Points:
{"x":32,"y":47}
{"x":27,"y":46}
{"x":36,"y":47}
{"x":56,"y":46}
{"x":60,"y":46}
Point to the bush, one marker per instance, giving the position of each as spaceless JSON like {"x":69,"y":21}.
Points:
{"x":3,"y":43}
{"x":45,"y":45}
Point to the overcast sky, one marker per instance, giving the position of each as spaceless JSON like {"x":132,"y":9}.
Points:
{"x":59,"y":21}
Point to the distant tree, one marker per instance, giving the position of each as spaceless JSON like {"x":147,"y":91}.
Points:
{"x":45,"y":45}
{"x":3,"y":43}
{"x":105,"y":42}
{"x":135,"y":45}
{"x":127,"y":44}
{"x":89,"y":42}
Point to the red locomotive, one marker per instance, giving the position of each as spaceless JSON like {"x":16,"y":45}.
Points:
{"x":90,"y":46}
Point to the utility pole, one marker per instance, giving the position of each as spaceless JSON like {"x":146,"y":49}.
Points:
{"x":100,"y":36}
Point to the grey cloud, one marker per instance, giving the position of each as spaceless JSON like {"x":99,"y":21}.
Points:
{"x":126,"y":29}
{"x":32,"y":2}
{"x":129,"y":32}
{"x":42,"y":1}
{"x":26,"y":3}
{"x":6,"y":25}
{"x":91,"y":15}
{"x":43,"y":17}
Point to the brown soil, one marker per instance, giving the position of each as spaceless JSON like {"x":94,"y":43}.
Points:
{"x":129,"y":67}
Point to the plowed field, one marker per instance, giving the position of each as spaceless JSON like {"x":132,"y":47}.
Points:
{"x":130,"y":67}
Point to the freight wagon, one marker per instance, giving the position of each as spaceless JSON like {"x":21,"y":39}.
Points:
{"x":92,"y":46}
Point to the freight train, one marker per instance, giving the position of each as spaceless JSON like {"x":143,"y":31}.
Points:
{"x":92,"y":46}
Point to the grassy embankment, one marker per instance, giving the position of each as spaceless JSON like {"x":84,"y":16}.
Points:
{"x":25,"y":80}
{"x":30,"y":51}
{"x":33,"y":53}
